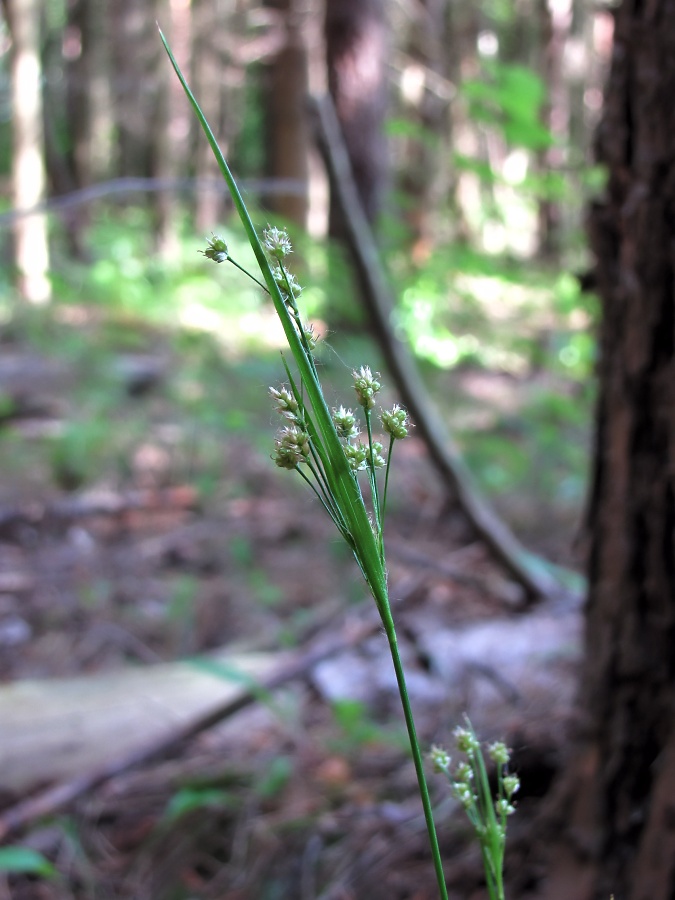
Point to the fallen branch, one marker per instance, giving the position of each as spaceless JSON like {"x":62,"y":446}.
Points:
{"x":55,"y":799}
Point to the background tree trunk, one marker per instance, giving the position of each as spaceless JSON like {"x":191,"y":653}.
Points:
{"x":355,"y":32}
{"x":617,"y":822}
{"x":31,"y":251}
{"x":288,"y":146}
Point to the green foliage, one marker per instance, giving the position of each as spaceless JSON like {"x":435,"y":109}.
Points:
{"x":25,"y":861}
{"x":191,"y":799}
{"x":359,"y":729}
{"x":510,"y":97}
{"x":274,"y":778}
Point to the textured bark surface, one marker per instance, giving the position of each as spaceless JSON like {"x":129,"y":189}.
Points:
{"x":618,"y":818}
{"x":288,"y":130}
{"x":356,"y":47}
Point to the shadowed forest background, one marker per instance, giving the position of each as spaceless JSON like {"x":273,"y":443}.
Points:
{"x":186,"y":651}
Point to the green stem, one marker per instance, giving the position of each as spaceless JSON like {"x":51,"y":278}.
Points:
{"x":246,"y":272}
{"x":386,"y":477}
{"x":390,"y":629}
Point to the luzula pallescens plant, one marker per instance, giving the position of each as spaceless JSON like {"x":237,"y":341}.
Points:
{"x":471,"y":787}
{"x":323,"y":445}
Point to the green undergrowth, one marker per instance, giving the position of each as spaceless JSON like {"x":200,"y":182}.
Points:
{"x":506,"y":349}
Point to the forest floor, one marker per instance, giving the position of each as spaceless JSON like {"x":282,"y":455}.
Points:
{"x":143,"y":522}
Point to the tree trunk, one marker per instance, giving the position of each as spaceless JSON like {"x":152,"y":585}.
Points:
{"x":356,"y":45}
{"x":31,"y":251}
{"x":286,"y":97}
{"x":89,"y":82}
{"x":617,"y":800}
{"x":206,"y":83}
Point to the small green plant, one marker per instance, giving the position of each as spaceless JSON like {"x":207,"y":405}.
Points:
{"x":18,"y":860}
{"x":324,"y":446}
{"x":471,"y":787}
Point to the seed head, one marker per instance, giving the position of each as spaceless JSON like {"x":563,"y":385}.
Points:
{"x":464,"y":773}
{"x":286,"y":280}
{"x":466,"y":741}
{"x":366,"y":386}
{"x":504,"y":808}
{"x":311,"y":336}
{"x":285,"y":404}
{"x":374,"y":455}
{"x":464,"y":794}
{"x":357,"y":455}
{"x":291,"y":447}
{"x":511,"y":785}
{"x":440,"y":758}
{"x":396,"y":422}
{"x":276,"y":242}
{"x":345,"y":423}
{"x":499,"y":753}
{"x":216,"y":249}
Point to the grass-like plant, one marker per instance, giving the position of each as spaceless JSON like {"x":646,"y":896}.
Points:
{"x":323,"y":445}
{"x":471,"y":787}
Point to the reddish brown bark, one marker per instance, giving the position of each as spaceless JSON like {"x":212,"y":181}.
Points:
{"x":356,"y":43}
{"x":617,"y":828}
{"x":288,"y":148}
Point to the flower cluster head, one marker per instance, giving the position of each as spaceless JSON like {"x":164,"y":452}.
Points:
{"x":504,"y":808}
{"x":499,"y":753}
{"x":511,"y":785}
{"x":464,"y":794}
{"x":345,"y":423}
{"x":440,"y":758}
{"x":396,"y":422}
{"x":286,"y":404}
{"x":374,"y":455}
{"x":357,"y":456}
{"x":466,"y":741}
{"x":291,"y":447}
{"x":276,"y":242}
{"x":216,"y":249}
{"x":286,"y":282}
{"x":311,"y":336}
{"x":366,"y":386}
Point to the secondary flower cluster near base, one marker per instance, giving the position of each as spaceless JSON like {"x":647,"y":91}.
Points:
{"x":471,"y":788}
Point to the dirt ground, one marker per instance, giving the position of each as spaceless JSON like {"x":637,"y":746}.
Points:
{"x":308,"y":794}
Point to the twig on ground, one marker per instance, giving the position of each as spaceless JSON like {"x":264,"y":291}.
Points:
{"x":56,"y":798}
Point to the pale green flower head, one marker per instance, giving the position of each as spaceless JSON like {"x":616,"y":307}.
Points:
{"x":357,"y":456}
{"x":440,"y":758}
{"x":464,"y":794}
{"x":345,"y":423}
{"x":511,"y":785}
{"x":286,"y":280}
{"x":216,"y":249}
{"x":504,"y":808}
{"x":285,"y":403}
{"x":499,"y":753}
{"x":375,"y":455}
{"x":396,"y":422}
{"x":366,"y":386}
{"x":291,"y":447}
{"x":311,"y":336}
{"x":466,"y":741}
{"x":464,"y":773}
{"x":276,"y":242}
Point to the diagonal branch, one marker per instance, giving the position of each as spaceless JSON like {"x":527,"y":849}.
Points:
{"x":533,"y":572}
